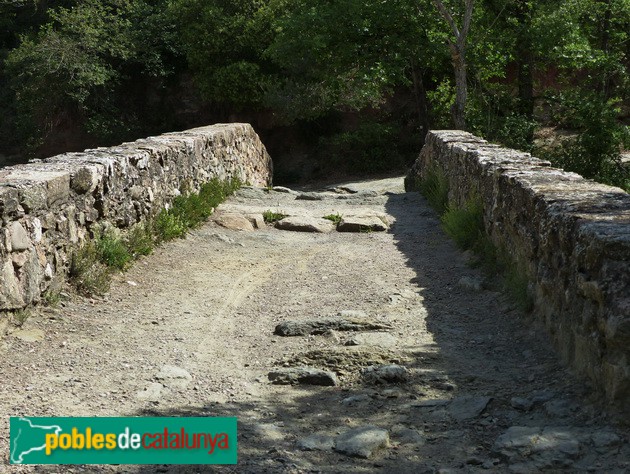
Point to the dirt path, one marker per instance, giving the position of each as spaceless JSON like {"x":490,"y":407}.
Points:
{"x":483,"y":390}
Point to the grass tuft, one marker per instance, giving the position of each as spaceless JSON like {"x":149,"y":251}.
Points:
{"x":272,"y":217}
{"x":20,"y":316}
{"x":87,"y":273}
{"x":465,"y":225}
{"x":516,"y":285}
{"x":334,"y":218}
{"x":434,"y":187}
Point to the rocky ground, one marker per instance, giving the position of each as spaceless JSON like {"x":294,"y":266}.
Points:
{"x":376,"y":349}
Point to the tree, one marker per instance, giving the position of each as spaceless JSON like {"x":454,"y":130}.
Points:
{"x":457,"y":45}
{"x":224,"y":41}
{"x":82,"y":64}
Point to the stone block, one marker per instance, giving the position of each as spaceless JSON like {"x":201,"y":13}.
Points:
{"x":20,"y":239}
{"x":85,"y":179}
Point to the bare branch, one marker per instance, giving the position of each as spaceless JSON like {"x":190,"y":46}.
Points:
{"x":467,"y":18}
{"x":447,"y":16}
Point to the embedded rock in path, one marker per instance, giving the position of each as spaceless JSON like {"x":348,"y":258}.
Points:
{"x":358,"y":195}
{"x":172,"y":376}
{"x":467,"y":408}
{"x":355,"y":400}
{"x":250,"y":192}
{"x":559,"y":408}
{"x":604,"y":440}
{"x":361,"y":224}
{"x":29,"y":335}
{"x":303,"y":376}
{"x":470,"y":283}
{"x":305,"y":224}
{"x":257,"y":220}
{"x":522,"y":404}
{"x":344,"y":189}
{"x":405,"y":435}
{"x":268,"y":431}
{"x":151,"y":393}
{"x":537,"y":448}
{"x":362,"y":442}
{"x":234,"y":222}
{"x":352,"y":313}
{"x":310,"y":197}
{"x":316,"y":442}
{"x":282,"y":189}
{"x":222,"y":238}
{"x":380,"y":374}
{"x":382,"y":339}
{"x":321,"y":326}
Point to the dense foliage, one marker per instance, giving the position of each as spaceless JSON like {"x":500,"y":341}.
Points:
{"x":350,"y":84}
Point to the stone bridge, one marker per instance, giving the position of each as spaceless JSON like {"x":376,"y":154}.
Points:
{"x":351,"y":336}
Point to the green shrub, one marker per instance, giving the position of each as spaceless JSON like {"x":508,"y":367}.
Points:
{"x":371,"y":148}
{"x":596,"y":151}
{"x":87,"y":273}
{"x":168,"y":226}
{"x":20,"y":316}
{"x":112,"y":251}
{"x":434,"y":187}
{"x":465,"y":225}
{"x":140,"y":240}
{"x":52,"y":297}
{"x":516,"y":285}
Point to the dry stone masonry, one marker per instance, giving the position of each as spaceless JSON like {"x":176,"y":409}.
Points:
{"x":50,"y":207}
{"x":570,"y":235}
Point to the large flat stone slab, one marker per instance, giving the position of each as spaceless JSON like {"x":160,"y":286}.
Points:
{"x":234,"y":221}
{"x":362,"y":442}
{"x":361,"y":224}
{"x":305,"y":224}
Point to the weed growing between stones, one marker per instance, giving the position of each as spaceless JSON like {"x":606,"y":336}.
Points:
{"x":465,"y":226}
{"x":168,"y":226}
{"x":334,"y":218}
{"x":516,"y":285}
{"x":92,"y":265}
{"x":272,"y":217}
{"x":87,"y":273}
{"x":434,"y":187}
{"x":112,"y":251}
{"x":52,"y":297}
{"x":140,"y":240}
{"x":20,"y":316}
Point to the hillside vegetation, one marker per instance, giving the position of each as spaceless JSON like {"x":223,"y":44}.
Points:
{"x":343,"y":85}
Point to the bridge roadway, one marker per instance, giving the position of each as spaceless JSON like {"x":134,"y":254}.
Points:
{"x":189,"y":331}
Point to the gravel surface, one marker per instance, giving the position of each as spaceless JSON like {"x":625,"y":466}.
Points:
{"x":464,"y":382}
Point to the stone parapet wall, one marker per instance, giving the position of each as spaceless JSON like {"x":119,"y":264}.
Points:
{"x":49,"y":207}
{"x":571,"y":236}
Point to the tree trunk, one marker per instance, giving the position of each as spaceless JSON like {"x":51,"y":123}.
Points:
{"x":461,"y":87}
{"x":605,"y":40}
{"x":525,"y":60}
{"x":422,"y":106}
{"x":458,"y":55}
